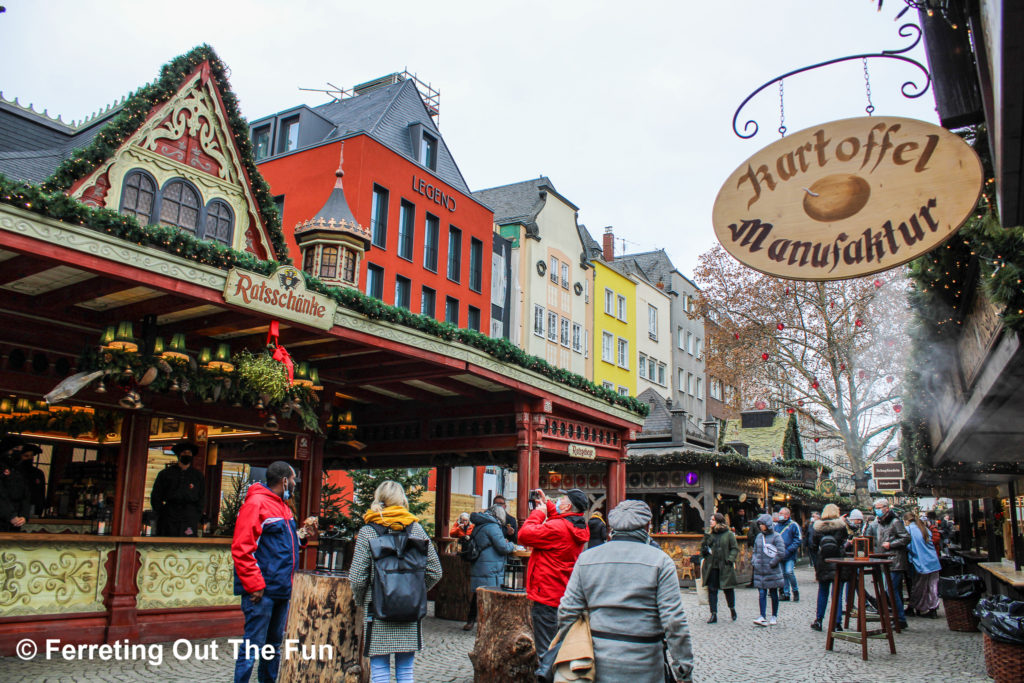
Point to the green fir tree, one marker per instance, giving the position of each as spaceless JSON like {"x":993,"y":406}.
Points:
{"x":791,"y":448}
{"x":365,"y":482}
{"x":232,"y":503}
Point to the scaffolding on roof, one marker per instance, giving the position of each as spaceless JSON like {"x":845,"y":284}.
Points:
{"x":431,"y":95}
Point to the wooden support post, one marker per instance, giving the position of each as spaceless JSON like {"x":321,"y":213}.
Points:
{"x":615,"y":493}
{"x":1018,"y":547}
{"x":504,"y":649}
{"x":312,"y":483}
{"x":994,"y":544}
{"x":523,"y":465}
{"x":443,"y":501}
{"x":122,"y":617}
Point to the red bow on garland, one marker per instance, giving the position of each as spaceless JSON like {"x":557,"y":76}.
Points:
{"x":280,"y":354}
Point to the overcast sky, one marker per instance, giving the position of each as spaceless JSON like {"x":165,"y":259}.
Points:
{"x":626,"y":106}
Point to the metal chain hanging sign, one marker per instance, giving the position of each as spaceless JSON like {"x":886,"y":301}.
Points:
{"x":848,"y":198}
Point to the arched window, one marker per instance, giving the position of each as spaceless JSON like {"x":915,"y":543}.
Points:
{"x":348,"y":266}
{"x":220,"y":222}
{"x":138,"y":195}
{"x":180,"y":206}
{"x":329,"y":262}
{"x":307,"y":259}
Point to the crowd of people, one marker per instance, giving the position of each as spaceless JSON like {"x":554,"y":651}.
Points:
{"x":579,"y":568}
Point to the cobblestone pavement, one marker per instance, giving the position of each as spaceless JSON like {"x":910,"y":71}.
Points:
{"x":726,"y":652}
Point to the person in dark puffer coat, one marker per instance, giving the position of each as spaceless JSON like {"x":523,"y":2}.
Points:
{"x":489,"y":566}
{"x":767,"y":557}
{"x":718,"y":554}
{"x":828,"y":538}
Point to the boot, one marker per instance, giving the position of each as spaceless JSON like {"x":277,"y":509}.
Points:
{"x":732,"y":611}
{"x":714,"y":618}
{"x":796,"y":595}
{"x":816,"y":625}
{"x":468,"y":626}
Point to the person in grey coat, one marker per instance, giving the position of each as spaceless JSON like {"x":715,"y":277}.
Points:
{"x":892,"y":537}
{"x":487,"y":569}
{"x":631,"y":591}
{"x":768,"y":555}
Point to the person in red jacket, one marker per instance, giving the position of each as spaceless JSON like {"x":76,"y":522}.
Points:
{"x":265,"y":549}
{"x":557,"y":532}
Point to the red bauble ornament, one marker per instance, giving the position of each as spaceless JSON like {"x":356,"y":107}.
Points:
{"x":800,"y":402}
{"x":814,"y":384}
{"x":816,"y":439}
{"x":897,"y":408}
{"x":737,"y":335}
{"x":790,"y":410}
{"x":859,"y":323}
{"x":878,"y":283}
{"x":787,"y":290}
{"x":764,"y":356}
{"x":842,"y":366}
{"x":780,"y":327}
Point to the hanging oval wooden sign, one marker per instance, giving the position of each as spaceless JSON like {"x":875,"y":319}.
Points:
{"x":848,"y":198}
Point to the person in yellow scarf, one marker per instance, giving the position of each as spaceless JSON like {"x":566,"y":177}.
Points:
{"x":390,"y":509}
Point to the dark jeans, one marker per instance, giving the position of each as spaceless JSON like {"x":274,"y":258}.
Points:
{"x":545,"y":625}
{"x":761,"y":600}
{"x":897,"y":589}
{"x":730,"y":598}
{"x":824,"y":588}
{"x":472,"y":609}
{"x":264,"y":625}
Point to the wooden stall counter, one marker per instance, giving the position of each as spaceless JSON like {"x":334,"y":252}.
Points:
{"x":1003,"y":579}
{"x":682,"y":547}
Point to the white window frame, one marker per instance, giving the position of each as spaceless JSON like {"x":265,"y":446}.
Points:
{"x":689,"y":343}
{"x":608,"y":347}
{"x":577,"y":338}
{"x":700,"y":388}
{"x":662,"y":374}
{"x":689,"y":383}
{"x":699,"y":346}
{"x":609,"y":301}
{"x":623,"y":353}
{"x":586,"y":289}
{"x":608,"y":385}
{"x":563,"y":332}
{"x":642,"y":367}
{"x":681,"y":338}
{"x":554,"y":270}
{"x":652,"y":369}
{"x":623,"y":391}
{"x":681,"y":380}
{"x":538,"y":320}
{"x":552,"y":326}
{"x":565,"y":276}
{"x":623,"y":313}
{"x":652,"y":322}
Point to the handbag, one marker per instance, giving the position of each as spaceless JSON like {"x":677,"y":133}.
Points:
{"x":570,"y":657}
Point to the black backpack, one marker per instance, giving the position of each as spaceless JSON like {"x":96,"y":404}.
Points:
{"x":469,"y":547}
{"x":828,"y":547}
{"x":399,"y":575}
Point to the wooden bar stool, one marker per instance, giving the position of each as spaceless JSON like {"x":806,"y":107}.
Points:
{"x":853,"y":612}
{"x":875,"y":567}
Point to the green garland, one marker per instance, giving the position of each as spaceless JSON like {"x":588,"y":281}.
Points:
{"x":708,"y":460}
{"x":74,"y":423}
{"x":810,"y":495}
{"x":166,"y":376}
{"x":137,"y":108}
{"x":807,"y":465}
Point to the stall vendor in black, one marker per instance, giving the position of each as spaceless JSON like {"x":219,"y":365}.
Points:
{"x":15,"y":497}
{"x":34,"y":477}
{"x":178,"y":494}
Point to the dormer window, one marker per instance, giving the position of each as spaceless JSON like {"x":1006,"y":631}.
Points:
{"x":261,"y":142}
{"x":329,"y":263}
{"x":289,"y":136}
{"x":428,"y":151}
{"x":138,"y":196}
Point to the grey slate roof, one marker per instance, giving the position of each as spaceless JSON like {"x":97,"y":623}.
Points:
{"x":591,"y":249}
{"x":32,"y":144}
{"x":385,"y":115}
{"x":659,"y":420}
{"x":517,"y":202}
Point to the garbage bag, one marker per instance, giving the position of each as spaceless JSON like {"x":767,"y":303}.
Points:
{"x":962,"y":587}
{"x":1004,"y":627}
{"x":952,"y":565}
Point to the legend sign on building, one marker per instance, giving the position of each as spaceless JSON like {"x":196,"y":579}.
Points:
{"x":848,"y":198}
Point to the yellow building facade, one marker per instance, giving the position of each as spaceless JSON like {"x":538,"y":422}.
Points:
{"x":614,"y":341}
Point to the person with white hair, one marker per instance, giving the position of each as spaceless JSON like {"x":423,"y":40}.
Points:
{"x":892,"y":537}
{"x":631,"y":591}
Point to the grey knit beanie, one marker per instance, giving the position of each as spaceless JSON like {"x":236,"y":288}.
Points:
{"x":629,"y":515}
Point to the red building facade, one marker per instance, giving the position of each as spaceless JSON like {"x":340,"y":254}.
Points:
{"x":431,"y":241}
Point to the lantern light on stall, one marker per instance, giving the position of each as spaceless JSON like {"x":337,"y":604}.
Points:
{"x":314,"y":377}
{"x":158,"y":346}
{"x":513,"y":579}
{"x":6,"y":407}
{"x":22,"y":407}
{"x":108,"y":336}
{"x":222,"y":359}
{"x":205,"y":357}
{"x":302,"y":375}
{"x":176,"y":349}
{"x":124,"y":339}
{"x":40,"y":408}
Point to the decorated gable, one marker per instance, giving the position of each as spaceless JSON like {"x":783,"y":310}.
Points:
{"x":182,"y":167}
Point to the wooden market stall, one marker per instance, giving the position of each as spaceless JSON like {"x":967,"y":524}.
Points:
{"x":148,"y":283}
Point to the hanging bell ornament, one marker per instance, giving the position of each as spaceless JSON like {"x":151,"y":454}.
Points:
{"x":128,"y":371}
{"x":131,"y":401}
{"x":175,"y":386}
{"x":271,"y":423}
{"x":101,"y":388}
{"x":259,"y":403}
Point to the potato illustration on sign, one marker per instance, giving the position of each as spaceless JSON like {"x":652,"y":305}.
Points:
{"x":836,"y":197}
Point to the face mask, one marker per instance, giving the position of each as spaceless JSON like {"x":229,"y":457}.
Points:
{"x":185,"y":460}
{"x":878,"y":513}
{"x":287,"y":492}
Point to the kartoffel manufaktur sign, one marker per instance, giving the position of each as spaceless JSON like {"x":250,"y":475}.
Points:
{"x":848,"y":198}
{"x":282,"y":295}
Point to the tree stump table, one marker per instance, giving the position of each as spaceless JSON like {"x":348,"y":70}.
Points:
{"x":504,"y":649}
{"x":451,"y":595}
{"x":323,"y":612}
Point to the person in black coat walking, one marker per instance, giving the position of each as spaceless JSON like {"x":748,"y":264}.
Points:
{"x":828,"y":537}
{"x":598,"y":530}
